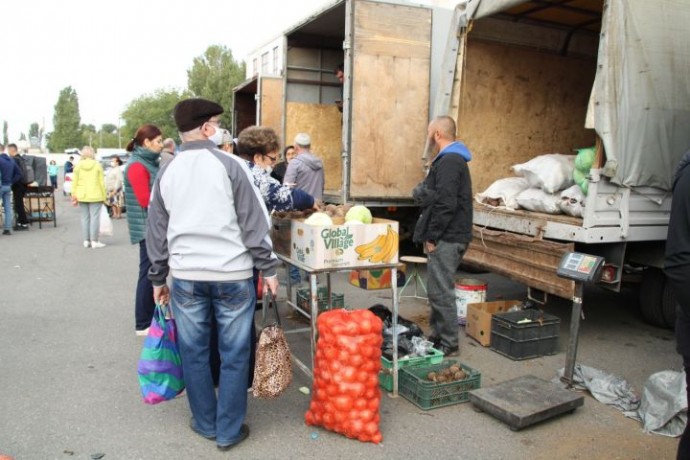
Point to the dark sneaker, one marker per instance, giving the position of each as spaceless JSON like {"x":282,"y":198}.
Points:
{"x":6,"y":232}
{"x":448,"y":351}
{"x":244,"y":433}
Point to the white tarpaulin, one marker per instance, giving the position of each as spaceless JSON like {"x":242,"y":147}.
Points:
{"x":640,"y":102}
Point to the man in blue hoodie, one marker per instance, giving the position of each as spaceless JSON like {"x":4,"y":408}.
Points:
{"x":10,"y":173}
{"x":444,"y":227}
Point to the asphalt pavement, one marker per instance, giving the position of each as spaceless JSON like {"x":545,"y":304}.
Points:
{"x":69,"y":389}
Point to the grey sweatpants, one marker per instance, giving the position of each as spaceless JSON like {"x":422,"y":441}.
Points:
{"x":443,"y":263}
{"x":90,"y":220}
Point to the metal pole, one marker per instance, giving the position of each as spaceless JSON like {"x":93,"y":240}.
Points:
{"x":571,"y":353}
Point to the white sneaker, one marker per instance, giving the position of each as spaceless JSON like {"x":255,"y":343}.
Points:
{"x":97,"y":244}
{"x":142,"y":332}
{"x":87,"y":243}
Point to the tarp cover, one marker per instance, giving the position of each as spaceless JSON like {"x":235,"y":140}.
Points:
{"x":640,"y":102}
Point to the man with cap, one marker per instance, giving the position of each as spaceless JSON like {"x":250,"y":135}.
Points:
{"x":306,"y":169}
{"x":208,"y":228}
{"x":168,"y":152}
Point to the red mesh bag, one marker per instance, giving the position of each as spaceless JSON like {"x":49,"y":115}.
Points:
{"x":346,"y":395}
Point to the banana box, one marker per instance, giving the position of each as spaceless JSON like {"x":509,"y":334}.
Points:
{"x":345,"y":246}
{"x":379,"y":278}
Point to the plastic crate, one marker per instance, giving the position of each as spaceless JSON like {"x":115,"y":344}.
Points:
{"x":303,"y":301}
{"x":386,"y":373}
{"x":525,"y":349}
{"x":519,"y":341}
{"x":429,"y":395}
{"x":541,"y":325}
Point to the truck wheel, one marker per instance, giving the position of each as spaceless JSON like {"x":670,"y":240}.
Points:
{"x":652,"y":290}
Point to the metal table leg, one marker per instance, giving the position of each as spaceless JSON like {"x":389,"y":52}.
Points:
{"x":571,"y":353}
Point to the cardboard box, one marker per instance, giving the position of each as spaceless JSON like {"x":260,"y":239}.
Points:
{"x":479,"y":318}
{"x":335,"y":246}
{"x":376,"y":279}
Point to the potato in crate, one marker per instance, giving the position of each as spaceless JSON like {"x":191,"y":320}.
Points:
{"x":438,"y":385}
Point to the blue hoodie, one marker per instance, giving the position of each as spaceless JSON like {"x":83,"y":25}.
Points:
{"x":457,"y":148}
{"x":9,"y":171}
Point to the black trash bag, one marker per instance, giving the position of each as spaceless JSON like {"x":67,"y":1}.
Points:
{"x":405,"y":347}
{"x":413,"y":330}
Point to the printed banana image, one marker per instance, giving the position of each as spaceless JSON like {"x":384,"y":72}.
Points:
{"x":381,"y":250}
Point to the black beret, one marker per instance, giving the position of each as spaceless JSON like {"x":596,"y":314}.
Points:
{"x":192,"y":113}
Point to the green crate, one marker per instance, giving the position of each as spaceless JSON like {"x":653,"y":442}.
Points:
{"x":386,"y":373}
{"x":303,"y":301}
{"x":429,"y":395}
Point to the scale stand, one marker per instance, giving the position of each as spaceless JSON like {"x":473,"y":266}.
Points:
{"x":527,"y":400}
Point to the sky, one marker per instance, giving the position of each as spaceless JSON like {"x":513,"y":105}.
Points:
{"x":113,"y":52}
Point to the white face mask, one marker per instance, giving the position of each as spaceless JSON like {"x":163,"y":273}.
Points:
{"x":268,"y":169}
{"x":217,"y":137}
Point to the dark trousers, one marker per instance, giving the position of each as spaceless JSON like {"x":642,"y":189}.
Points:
{"x":53,"y":182}
{"x":18,"y":191}
{"x":144,"y":303}
{"x":679,"y":277}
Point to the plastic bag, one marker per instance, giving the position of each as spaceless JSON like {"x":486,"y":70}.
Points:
{"x":551,"y":172}
{"x":346,"y":395}
{"x":535,"y":199}
{"x":160,"y":365}
{"x":106,"y":224}
{"x":503,"y":192}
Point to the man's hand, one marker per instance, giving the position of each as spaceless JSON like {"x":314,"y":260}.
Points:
{"x":271,"y":284}
{"x":161,"y":294}
{"x":429,"y":247}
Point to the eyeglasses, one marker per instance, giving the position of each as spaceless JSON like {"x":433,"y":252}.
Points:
{"x":273,"y":159}
{"x":215,"y":122}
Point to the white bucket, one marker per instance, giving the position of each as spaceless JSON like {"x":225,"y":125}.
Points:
{"x":467,"y":291}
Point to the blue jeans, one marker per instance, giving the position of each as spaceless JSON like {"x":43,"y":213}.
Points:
{"x":90,"y":220}
{"x":6,"y":194}
{"x":232,"y":303}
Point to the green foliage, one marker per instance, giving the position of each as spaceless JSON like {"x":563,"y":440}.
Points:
{"x":214,"y":75}
{"x":34,"y":130}
{"x":66,"y":120}
{"x":109,"y":128}
{"x":22,"y":136}
{"x":155,"y":109}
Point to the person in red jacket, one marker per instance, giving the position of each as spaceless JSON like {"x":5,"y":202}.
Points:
{"x":140,"y":174}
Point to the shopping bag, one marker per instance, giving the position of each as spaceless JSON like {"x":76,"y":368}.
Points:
{"x":160,"y":366}
{"x":106,"y":224}
{"x":273,"y":368}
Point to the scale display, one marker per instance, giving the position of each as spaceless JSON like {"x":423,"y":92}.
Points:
{"x":580,"y":267}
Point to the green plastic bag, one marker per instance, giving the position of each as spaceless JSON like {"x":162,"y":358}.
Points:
{"x":585,"y":159}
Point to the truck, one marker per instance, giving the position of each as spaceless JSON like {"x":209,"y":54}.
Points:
{"x":521,"y":78}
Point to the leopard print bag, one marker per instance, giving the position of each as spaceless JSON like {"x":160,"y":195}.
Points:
{"x":273,"y":369}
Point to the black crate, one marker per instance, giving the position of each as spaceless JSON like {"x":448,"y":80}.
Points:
{"x":541,"y":325}
{"x":523,"y":340}
{"x":525,"y":349}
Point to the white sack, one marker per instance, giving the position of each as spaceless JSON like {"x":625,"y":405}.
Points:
{"x":572,"y":201}
{"x":503,"y":192}
{"x":551,"y":172}
{"x":535,"y":199}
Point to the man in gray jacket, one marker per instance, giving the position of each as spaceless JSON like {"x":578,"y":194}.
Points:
{"x":208,"y":226}
{"x":305,"y":171}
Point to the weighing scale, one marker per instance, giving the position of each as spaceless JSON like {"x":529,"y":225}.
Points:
{"x":527,"y":400}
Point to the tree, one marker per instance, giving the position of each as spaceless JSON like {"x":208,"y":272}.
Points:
{"x":66,"y":121}
{"x":153,"y":108}
{"x":109,"y":128}
{"x":213,"y":76}
{"x":5,"y":139}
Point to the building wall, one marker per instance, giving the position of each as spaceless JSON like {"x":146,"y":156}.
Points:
{"x":266,"y":60}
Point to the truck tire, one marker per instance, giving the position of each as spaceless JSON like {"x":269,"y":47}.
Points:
{"x":653,"y":296}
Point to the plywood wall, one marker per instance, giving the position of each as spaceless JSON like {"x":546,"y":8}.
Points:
{"x":518,"y":103}
{"x":390,"y":99}
{"x":272,"y":104}
{"x":323,"y":122}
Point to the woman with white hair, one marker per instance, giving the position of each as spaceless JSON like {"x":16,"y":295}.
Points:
{"x":88,"y":190}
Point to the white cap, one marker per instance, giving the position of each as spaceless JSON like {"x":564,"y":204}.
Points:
{"x":303,"y":140}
